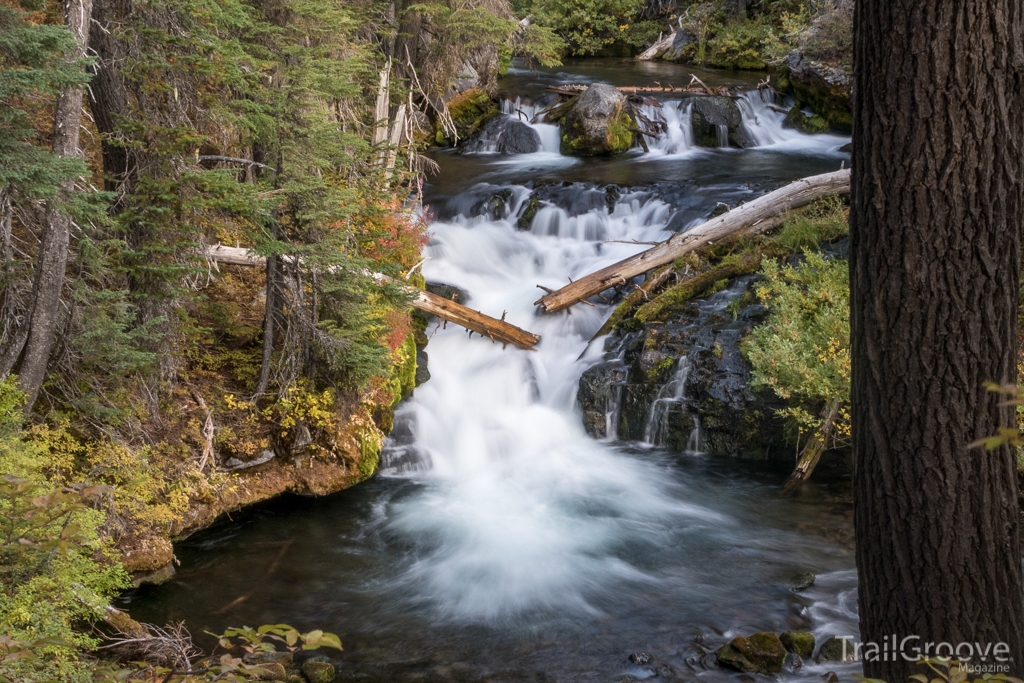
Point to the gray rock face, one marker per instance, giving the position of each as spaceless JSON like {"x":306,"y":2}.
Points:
{"x":717,"y":120}
{"x":646,"y":390}
{"x":503,"y":135}
{"x":597,"y":123}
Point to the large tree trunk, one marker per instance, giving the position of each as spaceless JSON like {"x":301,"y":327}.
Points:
{"x":53,"y":249}
{"x":938,"y":167}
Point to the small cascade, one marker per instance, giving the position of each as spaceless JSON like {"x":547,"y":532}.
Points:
{"x":723,"y":135}
{"x":628,"y":217}
{"x":612,"y":413}
{"x":671,"y":394}
{"x":762,"y":122}
{"x":677,"y":136}
{"x":695,"y":445}
{"x":550,"y":134}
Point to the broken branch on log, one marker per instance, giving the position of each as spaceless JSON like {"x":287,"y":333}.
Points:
{"x":754,"y":217}
{"x":496,"y":330}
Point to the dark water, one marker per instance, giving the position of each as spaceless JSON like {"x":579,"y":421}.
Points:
{"x":502,"y":543}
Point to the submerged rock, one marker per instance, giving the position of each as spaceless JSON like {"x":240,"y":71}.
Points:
{"x":503,"y":135}
{"x":598,"y":122}
{"x":717,"y":122}
{"x":798,"y":642}
{"x":761,"y":653}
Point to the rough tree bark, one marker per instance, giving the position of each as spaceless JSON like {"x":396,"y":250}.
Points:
{"x":938,"y":167}
{"x":53,"y":248}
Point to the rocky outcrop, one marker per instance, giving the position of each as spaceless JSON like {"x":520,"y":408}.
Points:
{"x":717,"y":122}
{"x":598,"y":122}
{"x":683,"y":383}
{"x":820,"y":74}
{"x":503,"y":135}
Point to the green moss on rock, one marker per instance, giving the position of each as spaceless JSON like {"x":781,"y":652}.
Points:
{"x":469,"y":112}
{"x":761,"y":653}
{"x":798,"y":642}
{"x":806,"y":124}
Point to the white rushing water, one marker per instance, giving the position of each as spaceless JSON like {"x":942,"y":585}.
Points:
{"x":525,"y":509}
{"x":516,"y":508}
{"x":762,"y":117}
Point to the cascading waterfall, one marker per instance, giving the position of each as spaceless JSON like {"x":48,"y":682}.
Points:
{"x":671,"y":394}
{"x":550,"y":138}
{"x":501,"y":542}
{"x":513,"y":472}
{"x":677,"y":117}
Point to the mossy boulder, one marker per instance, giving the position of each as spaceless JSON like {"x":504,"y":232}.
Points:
{"x":717,"y":120}
{"x":761,"y":653}
{"x":470,"y":111}
{"x":823,"y":87}
{"x":835,"y":650}
{"x":798,"y":642}
{"x":597,"y":123}
{"x":812,"y":125}
{"x":318,"y":672}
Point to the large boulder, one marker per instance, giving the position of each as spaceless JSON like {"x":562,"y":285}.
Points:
{"x":820,"y":69}
{"x":717,"y":122}
{"x":598,"y":122}
{"x":761,"y":653}
{"x":503,"y":135}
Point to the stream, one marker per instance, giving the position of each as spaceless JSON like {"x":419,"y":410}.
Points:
{"x":499,"y":542}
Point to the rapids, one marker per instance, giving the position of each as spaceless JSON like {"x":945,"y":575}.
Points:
{"x":499,"y":541}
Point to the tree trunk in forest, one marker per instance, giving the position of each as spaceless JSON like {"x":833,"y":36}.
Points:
{"x":52,"y":261}
{"x":938,"y":167}
{"x":108,"y":96}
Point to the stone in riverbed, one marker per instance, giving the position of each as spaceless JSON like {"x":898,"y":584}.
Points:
{"x":318,"y":672}
{"x":597,"y":123}
{"x":503,"y":135}
{"x":761,"y":653}
{"x":713,"y":114}
{"x":798,"y":642}
{"x":835,"y":650}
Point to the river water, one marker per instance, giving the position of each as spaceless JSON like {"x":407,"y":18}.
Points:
{"x":499,"y":541}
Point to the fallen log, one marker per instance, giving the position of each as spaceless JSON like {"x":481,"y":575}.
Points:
{"x":484,"y":325}
{"x":754,"y":217}
{"x":660,"y":46}
{"x":574,"y":90}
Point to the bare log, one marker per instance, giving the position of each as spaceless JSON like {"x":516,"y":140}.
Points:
{"x":658,"y":49}
{"x":754,"y":217}
{"x":475,"y":321}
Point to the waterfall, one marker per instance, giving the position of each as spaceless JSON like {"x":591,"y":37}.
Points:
{"x":673,"y":393}
{"x":503,"y":512}
{"x":677,"y":118}
{"x":550,"y":136}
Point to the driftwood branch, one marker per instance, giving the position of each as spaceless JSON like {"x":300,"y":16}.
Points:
{"x":475,"y":321}
{"x":234,"y":160}
{"x":754,"y":217}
